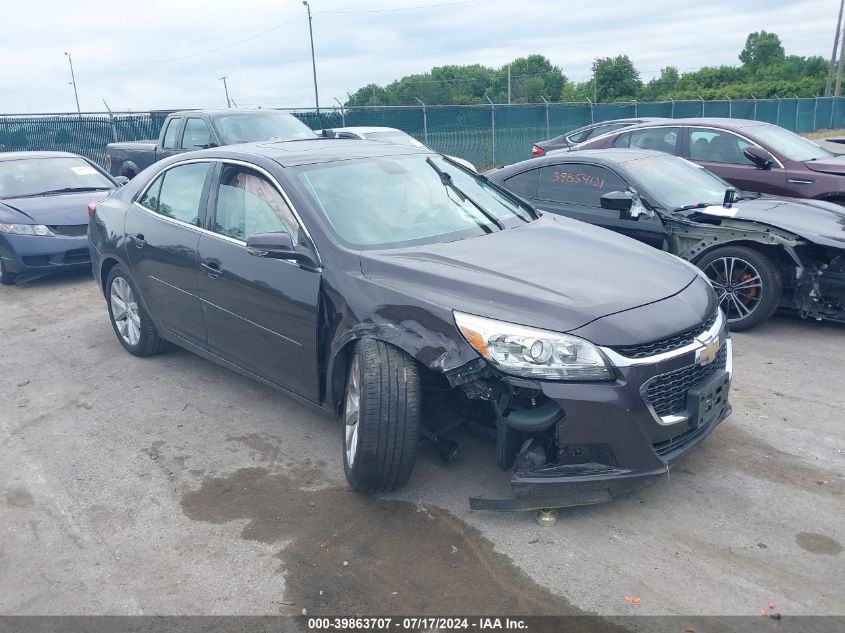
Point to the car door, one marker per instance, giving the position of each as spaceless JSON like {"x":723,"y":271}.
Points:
{"x":721,"y":152}
{"x":260,"y":313}
{"x":575,"y":190}
{"x":170,"y":139}
{"x":162,"y":229}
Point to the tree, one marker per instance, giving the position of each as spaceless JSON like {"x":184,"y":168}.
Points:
{"x":532,"y":77}
{"x":616,"y":79}
{"x":762,"y":49}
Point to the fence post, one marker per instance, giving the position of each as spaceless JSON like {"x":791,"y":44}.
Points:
{"x":815,"y":110}
{"x":342,"y":112}
{"x":111,"y":123}
{"x":492,"y":126}
{"x":673,"y":107}
{"x":730,"y":107}
{"x":702,"y":104}
{"x":754,"y":116}
{"x":592,"y":114}
{"x":635,"y":107}
{"x":548,"y":132}
{"x":777,"y":114}
{"x":797,"y":106}
{"x":425,"y":121}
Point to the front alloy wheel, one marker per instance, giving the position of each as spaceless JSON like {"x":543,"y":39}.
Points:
{"x":747,"y":284}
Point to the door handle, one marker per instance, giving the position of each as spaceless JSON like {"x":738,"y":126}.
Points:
{"x":139,"y":240}
{"x":212,"y":267}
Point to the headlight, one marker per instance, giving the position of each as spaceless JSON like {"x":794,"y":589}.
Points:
{"x":524,"y":351}
{"x":25,"y":229}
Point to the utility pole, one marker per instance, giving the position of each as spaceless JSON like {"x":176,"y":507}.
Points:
{"x":509,"y":83}
{"x":838,"y":88}
{"x":595,"y":85}
{"x":313,"y":62}
{"x":73,"y":83}
{"x":226,"y":88}
{"x":827,"y":86}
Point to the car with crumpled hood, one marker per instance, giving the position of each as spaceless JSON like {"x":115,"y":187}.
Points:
{"x":411,"y":297}
{"x":761,"y":253}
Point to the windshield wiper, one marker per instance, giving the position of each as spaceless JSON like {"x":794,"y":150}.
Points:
{"x":64,"y":190}
{"x":446,"y":179}
{"x":531,"y":211}
{"x":697,"y":205}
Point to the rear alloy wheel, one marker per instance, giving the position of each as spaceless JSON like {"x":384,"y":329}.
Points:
{"x":747,"y":284}
{"x":381,"y":417}
{"x":130,"y":320}
{"x":7,"y":278}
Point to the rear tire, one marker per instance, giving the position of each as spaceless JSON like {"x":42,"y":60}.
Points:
{"x":131,"y":322}
{"x":748,"y":284}
{"x":7,"y":278}
{"x":381,"y":417}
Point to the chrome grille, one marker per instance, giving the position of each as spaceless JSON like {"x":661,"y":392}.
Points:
{"x":667,"y":393}
{"x":667,"y":344}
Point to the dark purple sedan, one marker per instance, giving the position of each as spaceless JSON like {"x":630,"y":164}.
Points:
{"x":44,"y":198}
{"x":751,"y":155}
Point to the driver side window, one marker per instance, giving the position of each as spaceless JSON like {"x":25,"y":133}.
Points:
{"x":248,"y":204}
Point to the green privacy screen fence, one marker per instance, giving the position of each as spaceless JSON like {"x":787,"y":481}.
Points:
{"x":483,"y":134}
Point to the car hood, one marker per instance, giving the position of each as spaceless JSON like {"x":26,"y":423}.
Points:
{"x":55,"y":210}
{"x":832,"y":165}
{"x":554,"y":273}
{"x":819,"y":222}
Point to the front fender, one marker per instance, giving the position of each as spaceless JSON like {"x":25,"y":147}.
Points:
{"x":426,"y":333}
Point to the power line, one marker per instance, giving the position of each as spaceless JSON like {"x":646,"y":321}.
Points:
{"x":422,"y":6}
{"x":197,"y":54}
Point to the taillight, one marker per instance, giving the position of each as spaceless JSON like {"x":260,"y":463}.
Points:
{"x":91,"y":208}
{"x":108,"y":163}
{"x":537,"y":151}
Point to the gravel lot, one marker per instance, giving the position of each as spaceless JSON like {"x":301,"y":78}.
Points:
{"x":171,"y":486}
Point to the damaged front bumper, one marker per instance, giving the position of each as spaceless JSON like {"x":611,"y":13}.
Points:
{"x":615,"y":437}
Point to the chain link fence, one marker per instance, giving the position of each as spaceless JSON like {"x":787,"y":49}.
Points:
{"x":486,"y":135}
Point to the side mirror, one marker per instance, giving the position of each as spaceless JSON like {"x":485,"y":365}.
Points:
{"x":121,"y":180}
{"x":277,"y":246}
{"x":621,"y":201}
{"x":760,"y":157}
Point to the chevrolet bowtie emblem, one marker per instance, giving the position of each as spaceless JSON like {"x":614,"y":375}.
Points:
{"x":707,"y":354}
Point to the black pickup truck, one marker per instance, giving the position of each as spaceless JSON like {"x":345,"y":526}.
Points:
{"x":200,"y":129}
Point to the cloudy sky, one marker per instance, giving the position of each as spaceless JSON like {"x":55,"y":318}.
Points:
{"x":148,"y":54}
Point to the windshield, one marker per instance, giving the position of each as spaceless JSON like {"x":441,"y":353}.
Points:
{"x":787,"y":143}
{"x":388,"y":202}
{"x":34,"y":176}
{"x":397,"y":138}
{"x":251,"y":127}
{"x":676,"y":183}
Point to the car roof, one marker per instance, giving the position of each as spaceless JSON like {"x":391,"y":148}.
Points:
{"x":5,"y":156}
{"x":309,"y":152}
{"x":731,"y":124}
{"x":615,"y":155}
{"x":364,"y":129}
{"x":224,"y":111}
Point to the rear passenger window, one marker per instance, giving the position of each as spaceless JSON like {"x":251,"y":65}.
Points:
{"x":169,"y":141}
{"x":524,"y":184}
{"x":577,"y":183}
{"x":661,"y":139}
{"x":179,"y":192}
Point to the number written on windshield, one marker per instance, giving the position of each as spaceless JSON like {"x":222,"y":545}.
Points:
{"x":578,"y":179}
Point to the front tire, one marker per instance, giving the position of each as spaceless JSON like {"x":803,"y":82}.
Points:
{"x":747,"y":283}
{"x":7,"y":278}
{"x":381,"y":416}
{"x":131,"y":323}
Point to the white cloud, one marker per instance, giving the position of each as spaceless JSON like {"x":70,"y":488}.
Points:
{"x":274,"y":68}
